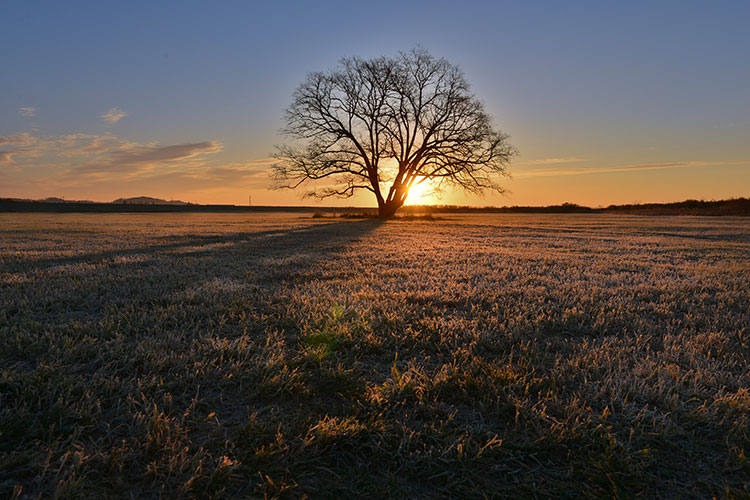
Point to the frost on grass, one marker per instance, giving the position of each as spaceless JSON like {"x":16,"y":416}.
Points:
{"x":267,"y":355}
{"x":208,"y":290}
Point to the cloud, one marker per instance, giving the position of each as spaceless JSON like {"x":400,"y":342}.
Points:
{"x":6,"y":158}
{"x":177,"y":182}
{"x":555,"y":161}
{"x":114,"y":115}
{"x":78,"y":145}
{"x":22,"y":139}
{"x":25,"y":145}
{"x":261,"y":162}
{"x":132,"y":161}
{"x":106,"y":156}
{"x":21,"y":144}
{"x":27,"y":111}
{"x":626,"y":168}
{"x":82,"y":161}
{"x":232,"y":175}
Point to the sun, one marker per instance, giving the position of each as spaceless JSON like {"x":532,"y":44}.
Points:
{"x":420,"y":194}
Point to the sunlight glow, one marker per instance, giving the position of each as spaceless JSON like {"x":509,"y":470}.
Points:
{"x":421,"y":194}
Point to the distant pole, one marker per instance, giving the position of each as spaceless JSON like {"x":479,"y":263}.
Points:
{"x":249,"y":200}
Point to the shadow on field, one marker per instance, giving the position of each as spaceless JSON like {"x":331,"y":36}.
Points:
{"x":275,"y":241}
{"x":90,"y":286}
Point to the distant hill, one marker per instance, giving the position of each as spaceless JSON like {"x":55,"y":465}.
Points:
{"x":147,"y":200}
{"x":51,"y":199}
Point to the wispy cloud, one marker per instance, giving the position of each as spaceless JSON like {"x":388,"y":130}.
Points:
{"x":104,"y":155}
{"x":6,"y":158}
{"x":215,"y":176}
{"x":19,"y":140}
{"x":114,"y":115}
{"x":261,"y":162}
{"x":26,"y":146}
{"x":556,"y":161}
{"x":82,"y":145}
{"x":83,"y":161}
{"x":138,"y":160}
{"x":625,"y":168}
{"x":27,"y":111}
{"x":21,"y":145}
{"x":236,"y":173}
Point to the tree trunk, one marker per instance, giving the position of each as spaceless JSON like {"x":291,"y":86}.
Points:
{"x":388,"y":209}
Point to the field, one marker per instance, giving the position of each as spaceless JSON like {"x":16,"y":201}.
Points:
{"x":277,"y":355}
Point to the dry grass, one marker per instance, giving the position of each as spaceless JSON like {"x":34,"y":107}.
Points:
{"x":209,"y":356}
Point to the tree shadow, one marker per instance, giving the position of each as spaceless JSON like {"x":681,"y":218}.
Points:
{"x":275,"y":240}
{"x":89,"y":286}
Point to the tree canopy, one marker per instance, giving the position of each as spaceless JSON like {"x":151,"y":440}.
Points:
{"x":386,"y":124}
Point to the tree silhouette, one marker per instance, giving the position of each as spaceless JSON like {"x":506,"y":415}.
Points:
{"x":386,"y":124}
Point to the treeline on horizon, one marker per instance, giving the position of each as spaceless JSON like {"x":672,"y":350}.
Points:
{"x":732,"y":206}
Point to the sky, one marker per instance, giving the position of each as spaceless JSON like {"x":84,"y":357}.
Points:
{"x":606,"y":102}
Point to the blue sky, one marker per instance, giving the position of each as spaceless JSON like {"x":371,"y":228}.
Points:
{"x":606,"y":102}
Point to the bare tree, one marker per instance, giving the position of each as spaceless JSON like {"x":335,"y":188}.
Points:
{"x":386,"y":124}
